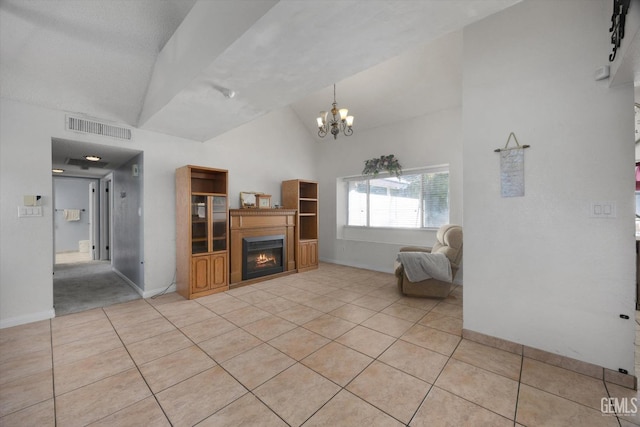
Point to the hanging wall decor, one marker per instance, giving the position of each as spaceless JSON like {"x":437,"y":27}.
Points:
{"x":512,"y":168}
{"x":618,"y":18}
{"x":383,"y":163}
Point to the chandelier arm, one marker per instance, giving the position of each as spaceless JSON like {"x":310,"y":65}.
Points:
{"x":336,"y":124}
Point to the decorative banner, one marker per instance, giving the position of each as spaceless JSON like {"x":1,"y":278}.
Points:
{"x":512,"y":168}
{"x":512,"y":172}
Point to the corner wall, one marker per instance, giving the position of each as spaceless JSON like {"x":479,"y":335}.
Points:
{"x":539,"y":270}
{"x":127,"y":246}
{"x":429,"y":140}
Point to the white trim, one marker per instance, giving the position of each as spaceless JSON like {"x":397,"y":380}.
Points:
{"x":128,"y":281}
{"x":357,"y":265}
{"x":144,"y":294}
{"x":27,"y":318}
{"x":457,"y":281}
{"x":413,"y":171}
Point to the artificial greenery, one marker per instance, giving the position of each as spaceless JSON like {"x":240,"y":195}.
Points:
{"x":384,"y":163}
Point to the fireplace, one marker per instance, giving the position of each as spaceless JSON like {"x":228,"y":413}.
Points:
{"x":262,"y":256}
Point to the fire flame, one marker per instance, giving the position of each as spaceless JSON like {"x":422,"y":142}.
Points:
{"x":263,"y":259}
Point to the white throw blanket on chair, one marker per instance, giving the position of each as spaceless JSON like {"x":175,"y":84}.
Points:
{"x":420,"y":266}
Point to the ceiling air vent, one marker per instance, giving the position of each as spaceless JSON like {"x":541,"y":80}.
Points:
{"x":89,"y":126}
{"x":86,"y":164}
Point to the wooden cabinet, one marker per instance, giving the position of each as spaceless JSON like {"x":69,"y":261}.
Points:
{"x":208,"y":272}
{"x":302,"y":195}
{"x":308,"y":250}
{"x":202,"y":238}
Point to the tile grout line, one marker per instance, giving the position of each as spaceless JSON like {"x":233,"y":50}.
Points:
{"x":609,"y":395}
{"x":217,"y":364}
{"x":232,"y":376}
{"x":53,"y":377}
{"x":515,"y":414}
{"x":441,"y":370}
{"x":139,"y":372}
{"x":341,"y":388}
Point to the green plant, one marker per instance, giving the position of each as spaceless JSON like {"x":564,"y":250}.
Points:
{"x":384,"y":163}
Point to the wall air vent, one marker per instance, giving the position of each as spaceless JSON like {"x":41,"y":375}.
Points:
{"x":90,"y":126}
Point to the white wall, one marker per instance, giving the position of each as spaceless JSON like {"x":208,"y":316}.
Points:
{"x":26,"y":244}
{"x":429,"y":140}
{"x":258,"y":155}
{"x":538,"y":270}
{"x":263,"y":153}
{"x":127,"y":245}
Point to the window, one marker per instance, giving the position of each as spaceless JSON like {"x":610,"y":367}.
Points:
{"x":417,"y":199}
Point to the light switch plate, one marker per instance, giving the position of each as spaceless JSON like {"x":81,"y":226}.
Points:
{"x":29,"y":211}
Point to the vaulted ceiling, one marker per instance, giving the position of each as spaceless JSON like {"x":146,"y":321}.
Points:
{"x":164,"y":65}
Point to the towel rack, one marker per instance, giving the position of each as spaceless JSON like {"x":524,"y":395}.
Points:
{"x":61,"y":210}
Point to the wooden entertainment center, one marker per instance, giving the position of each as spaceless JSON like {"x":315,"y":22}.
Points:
{"x":211,"y":239}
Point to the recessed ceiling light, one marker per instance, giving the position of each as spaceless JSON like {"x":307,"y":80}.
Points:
{"x":57,"y":170}
{"x":93,"y":158}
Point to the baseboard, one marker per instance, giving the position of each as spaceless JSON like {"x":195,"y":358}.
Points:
{"x":391,"y":270}
{"x":129,"y":282}
{"x":154,"y":292}
{"x":584,"y":368}
{"x":28,"y":318}
{"x":142,"y":293}
{"x":356,"y":265}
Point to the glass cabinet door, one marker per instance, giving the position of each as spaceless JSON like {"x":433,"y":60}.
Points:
{"x":219,"y":223}
{"x":199,"y":224}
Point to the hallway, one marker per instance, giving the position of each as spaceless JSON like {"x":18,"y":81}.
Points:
{"x":80,"y":286}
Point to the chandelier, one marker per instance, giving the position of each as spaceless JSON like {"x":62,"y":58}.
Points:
{"x":339,"y":121}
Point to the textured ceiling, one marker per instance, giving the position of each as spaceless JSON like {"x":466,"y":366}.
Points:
{"x":293,"y":49}
{"x":105,"y":58}
{"x":90,"y":56}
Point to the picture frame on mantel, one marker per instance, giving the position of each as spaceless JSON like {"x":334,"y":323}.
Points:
{"x":263,"y":201}
{"x":248,"y":200}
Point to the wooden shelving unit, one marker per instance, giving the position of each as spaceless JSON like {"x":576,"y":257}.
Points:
{"x":302,"y":195}
{"x":202,"y":238}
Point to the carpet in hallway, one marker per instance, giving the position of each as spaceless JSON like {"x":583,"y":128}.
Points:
{"x":83,"y":286}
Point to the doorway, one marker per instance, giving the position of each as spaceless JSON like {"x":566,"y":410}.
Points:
{"x":75,"y":218}
{"x":88,"y":220}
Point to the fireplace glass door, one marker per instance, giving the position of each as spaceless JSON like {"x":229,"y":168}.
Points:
{"x":262,"y":256}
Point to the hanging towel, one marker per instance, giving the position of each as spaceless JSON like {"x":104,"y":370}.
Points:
{"x":72,"y":214}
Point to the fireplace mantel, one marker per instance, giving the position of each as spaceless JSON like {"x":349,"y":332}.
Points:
{"x":258,"y":223}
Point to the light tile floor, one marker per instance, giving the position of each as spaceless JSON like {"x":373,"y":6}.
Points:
{"x":337,"y":346}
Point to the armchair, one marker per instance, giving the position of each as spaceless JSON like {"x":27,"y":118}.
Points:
{"x":449,"y":242}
